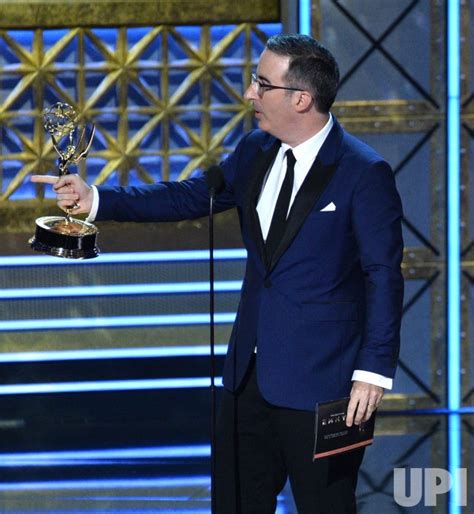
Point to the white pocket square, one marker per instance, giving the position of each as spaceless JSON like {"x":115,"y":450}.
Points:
{"x":329,"y":207}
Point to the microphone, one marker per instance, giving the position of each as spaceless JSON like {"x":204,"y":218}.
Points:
{"x":215,"y":180}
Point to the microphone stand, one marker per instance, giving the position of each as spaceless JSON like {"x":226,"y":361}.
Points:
{"x":216,"y":184}
{"x":212,"y":352}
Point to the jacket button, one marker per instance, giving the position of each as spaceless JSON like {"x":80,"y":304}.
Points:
{"x":267,"y":283}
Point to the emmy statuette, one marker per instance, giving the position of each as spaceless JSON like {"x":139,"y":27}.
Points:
{"x":64,"y":236}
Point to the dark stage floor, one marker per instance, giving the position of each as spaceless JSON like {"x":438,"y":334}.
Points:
{"x":175,"y":479}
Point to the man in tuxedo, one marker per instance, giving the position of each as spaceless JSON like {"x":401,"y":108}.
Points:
{"x":320,"y":309}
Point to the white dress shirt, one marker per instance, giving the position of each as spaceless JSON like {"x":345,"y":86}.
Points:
{"x":305,"y":154}
{"x":95,"y":205}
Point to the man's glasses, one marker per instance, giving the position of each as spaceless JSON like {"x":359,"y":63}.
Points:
{"x":263,"y":86}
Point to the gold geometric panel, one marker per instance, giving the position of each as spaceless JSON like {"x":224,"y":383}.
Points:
{"x":165,"y":100}
{"x":99,"y":13}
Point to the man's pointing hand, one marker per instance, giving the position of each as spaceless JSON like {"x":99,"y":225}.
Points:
{"x":71,"y":192}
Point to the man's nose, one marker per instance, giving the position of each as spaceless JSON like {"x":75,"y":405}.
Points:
{"x":250,"y":93}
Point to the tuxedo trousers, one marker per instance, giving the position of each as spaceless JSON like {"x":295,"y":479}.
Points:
{"x":259,"y":446}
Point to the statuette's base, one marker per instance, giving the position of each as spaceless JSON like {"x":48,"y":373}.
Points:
{"x":70,"y":239}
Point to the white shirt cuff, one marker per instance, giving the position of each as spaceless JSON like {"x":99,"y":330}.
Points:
{"x":95,"y":205}
{"x":372,"y":378}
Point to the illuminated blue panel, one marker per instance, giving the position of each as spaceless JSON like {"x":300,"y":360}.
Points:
{"x":124,"y":258}
{"x":454,"y":281}
{"x":305,"y":17}
{"x":114,"y":454}
{"x":113,"y":353}
{"x":453,"y":205}
{"x":114,"y":322}
{"x":127,"y":483}
{"x":424,"y":412}
{"x":454,"y":460}
{"x":107,"y":385}
{"x":228,"y":286}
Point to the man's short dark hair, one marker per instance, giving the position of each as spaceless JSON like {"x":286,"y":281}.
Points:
{"x":312,"y":67}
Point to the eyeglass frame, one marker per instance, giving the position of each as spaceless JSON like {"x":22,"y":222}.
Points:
{"x":262,"y":86}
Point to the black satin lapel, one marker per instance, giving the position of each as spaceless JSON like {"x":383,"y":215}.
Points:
{"x":311,"y":190}
{"x":260,"y":167}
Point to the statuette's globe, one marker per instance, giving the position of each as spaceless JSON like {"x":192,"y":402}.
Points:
{"x":59,"y":120}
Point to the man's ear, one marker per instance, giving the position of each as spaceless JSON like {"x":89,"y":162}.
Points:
{"x":303,"y":101}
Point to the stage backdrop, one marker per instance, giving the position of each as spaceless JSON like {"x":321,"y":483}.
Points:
{"x":163,"y":82}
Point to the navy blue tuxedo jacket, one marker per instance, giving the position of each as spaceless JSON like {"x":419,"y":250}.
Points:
{"x":330,"y":300}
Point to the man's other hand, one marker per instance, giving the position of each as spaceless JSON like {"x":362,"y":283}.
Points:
{"x":365,"y":398}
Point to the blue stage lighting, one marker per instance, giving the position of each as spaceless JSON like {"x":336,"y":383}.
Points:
{"x":454,"y":265}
